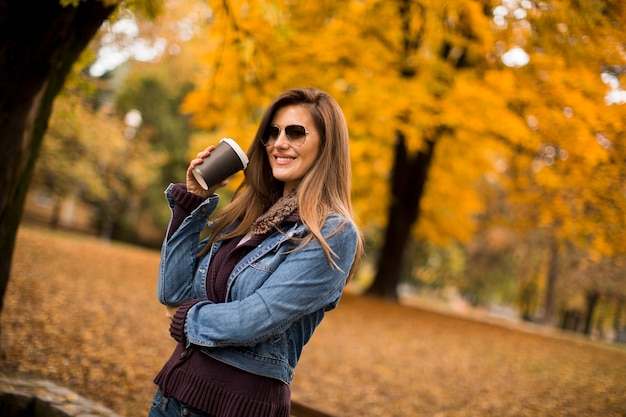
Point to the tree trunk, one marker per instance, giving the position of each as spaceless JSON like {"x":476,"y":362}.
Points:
{"x":617,"y":319}
{"x":550,"y":302}
{"x":407,"y":187}
{"x":38,"y":45}
{"x":591,"y":297}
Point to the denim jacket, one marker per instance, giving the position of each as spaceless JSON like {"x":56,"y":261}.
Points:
{"x":276,"y":296}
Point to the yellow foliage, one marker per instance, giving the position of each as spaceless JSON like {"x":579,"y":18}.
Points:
{"x":534,"y":132}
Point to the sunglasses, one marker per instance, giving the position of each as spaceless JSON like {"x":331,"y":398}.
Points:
{"x":296,"y":135}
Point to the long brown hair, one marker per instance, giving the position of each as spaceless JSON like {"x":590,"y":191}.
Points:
{"x":327,"y":184}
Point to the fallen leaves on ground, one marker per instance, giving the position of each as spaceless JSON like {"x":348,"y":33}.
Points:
{"x":83,"y":313}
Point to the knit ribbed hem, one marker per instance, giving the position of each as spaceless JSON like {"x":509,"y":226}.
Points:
{"x":177,"y":325}
{"x":220,"y":402}
{"x":186,"y":202}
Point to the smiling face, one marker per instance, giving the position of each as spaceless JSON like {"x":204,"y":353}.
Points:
{"x":291,"y":163}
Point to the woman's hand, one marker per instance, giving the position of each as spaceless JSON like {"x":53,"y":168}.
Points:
{"x":193,"y":186}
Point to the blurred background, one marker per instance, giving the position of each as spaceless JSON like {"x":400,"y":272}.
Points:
{"x":488,"y":154}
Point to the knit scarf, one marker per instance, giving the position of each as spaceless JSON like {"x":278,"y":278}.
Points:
{"x":276,"y":214}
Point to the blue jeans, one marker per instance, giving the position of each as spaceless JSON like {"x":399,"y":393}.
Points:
{"x":170,"y":407}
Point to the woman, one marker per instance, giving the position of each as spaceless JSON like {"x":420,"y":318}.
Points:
{"x":244,"y":302}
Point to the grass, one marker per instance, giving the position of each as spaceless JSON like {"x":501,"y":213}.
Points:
{"x":83,"y":313}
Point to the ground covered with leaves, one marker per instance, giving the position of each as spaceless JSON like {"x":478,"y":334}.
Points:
{"x":84,"y":314}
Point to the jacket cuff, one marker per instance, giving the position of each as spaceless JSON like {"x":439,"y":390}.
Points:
{"x":177,"y":326}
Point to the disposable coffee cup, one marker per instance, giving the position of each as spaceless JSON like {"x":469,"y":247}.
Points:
{"x":226,"y":159}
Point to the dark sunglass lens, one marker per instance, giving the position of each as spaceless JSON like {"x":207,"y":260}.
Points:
{"x":273,"y":132}
{"x":295,"y":132}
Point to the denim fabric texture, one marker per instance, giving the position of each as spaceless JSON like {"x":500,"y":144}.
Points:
{"x":170,"y":407}
{"x":276,"y":295}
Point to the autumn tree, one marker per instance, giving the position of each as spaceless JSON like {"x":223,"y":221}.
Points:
{"x":38,"y":47}
{"x":543,"y":124}
{"x":568,"y":173}
{"x":37,"y":50}
{"x":430,"y":45}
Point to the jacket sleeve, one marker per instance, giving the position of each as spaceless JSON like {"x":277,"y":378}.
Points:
{"x":179,"y":252}
{"x":303,"y":283}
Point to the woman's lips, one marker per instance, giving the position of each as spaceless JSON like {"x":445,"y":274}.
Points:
{"x":283,"y":159}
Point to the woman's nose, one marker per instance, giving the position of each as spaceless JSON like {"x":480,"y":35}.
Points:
{"x":282,"y":141}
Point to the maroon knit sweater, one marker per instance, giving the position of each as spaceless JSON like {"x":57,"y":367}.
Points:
{"x":197,"y":379}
